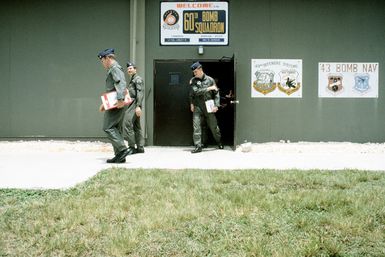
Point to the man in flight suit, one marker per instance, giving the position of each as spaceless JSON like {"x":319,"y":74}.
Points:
{"x":204,"y":129}
{"x":203,"y":88}
{"x":132,"y":128}
{"x":113,"y":118}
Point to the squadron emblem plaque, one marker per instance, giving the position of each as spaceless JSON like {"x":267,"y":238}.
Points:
{"x":289,"y":81}
{"x":348,"y":79}
{"x":361,"y":82}
{"x":276,"y":78}
{"x":335,"y":83}
{"x":264,"y":81}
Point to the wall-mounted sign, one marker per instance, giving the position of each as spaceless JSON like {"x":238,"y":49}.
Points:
{"x":348,"y":79}
{"x":276,"y":78}
{"x":194,"y":23}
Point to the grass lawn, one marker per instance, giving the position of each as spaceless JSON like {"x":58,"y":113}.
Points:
{"x":124,"y":212}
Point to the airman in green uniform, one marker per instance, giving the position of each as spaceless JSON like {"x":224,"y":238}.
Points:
{"x":203,"y":88}
{"x":132,"y":128}
{"x":204,"y":129}
{"x":113,"y":118}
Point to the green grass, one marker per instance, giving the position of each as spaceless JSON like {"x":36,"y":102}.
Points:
{"x":124,"y":212}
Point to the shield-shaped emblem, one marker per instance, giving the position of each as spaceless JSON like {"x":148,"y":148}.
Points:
{"x":264,"y":81}
{"x":289,"y":81}
{"x":335,"y":83}
{"x":361,"y":82}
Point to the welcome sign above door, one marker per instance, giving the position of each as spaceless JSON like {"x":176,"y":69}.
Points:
{"x":194,"y":23}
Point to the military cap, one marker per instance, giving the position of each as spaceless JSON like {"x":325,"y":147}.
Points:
{"x":196,"y":65}
{"x":131,"y":64}
{"x":106,"y":52}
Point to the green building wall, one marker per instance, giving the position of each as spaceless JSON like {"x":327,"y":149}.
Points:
{"x":51,"y":78}
{"x":314,"y":31}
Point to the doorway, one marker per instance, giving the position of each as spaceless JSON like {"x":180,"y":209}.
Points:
{"x":172,"y":115}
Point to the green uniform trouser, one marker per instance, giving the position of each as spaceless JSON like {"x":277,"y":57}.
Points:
{"x":211,"y":120}
{"x":112,"y":125}
{"x":132,"y":128}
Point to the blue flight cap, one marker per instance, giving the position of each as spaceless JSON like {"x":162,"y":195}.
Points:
{"x":131,"y":64}
{"x":106,"y":52}
{"x":196,"y":65}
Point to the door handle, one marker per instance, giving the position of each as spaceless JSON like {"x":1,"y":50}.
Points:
{"x":234,"y":102}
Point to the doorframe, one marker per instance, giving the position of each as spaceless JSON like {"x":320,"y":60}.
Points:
{"x":192,"y":60}
{"x":236,"y":101}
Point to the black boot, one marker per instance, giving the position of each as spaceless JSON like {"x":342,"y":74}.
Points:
{"x":119,"y":157}
{"x":113,"y":160}
{"x":197,"y":149}
{"x":140,"y":149}
{"x":131,"y":150}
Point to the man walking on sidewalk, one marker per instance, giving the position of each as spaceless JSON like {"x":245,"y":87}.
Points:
{"x":113,"y":118}
{"x":132,"y":128}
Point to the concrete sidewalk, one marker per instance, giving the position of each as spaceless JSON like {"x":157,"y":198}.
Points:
{"x":22,"y":167}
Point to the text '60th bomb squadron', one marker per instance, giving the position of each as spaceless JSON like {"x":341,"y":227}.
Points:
{"x":200,"y":22}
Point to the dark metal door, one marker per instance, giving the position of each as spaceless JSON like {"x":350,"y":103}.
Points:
{"x":172,"y":116}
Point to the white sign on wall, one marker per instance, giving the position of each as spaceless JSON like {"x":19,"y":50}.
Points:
{"x":344,"y":79}
{"x":276,"y":78}
{"x":194,"y":23}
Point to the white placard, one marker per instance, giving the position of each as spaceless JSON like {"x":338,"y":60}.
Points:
{"x":210,"y":105}
{"x":110,"y":99}
{"x":343,"y":79}
{"x":194,"y":23}
{"x":276,"y":78}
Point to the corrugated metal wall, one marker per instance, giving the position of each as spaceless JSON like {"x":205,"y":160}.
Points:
{"x":51,"y":77}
